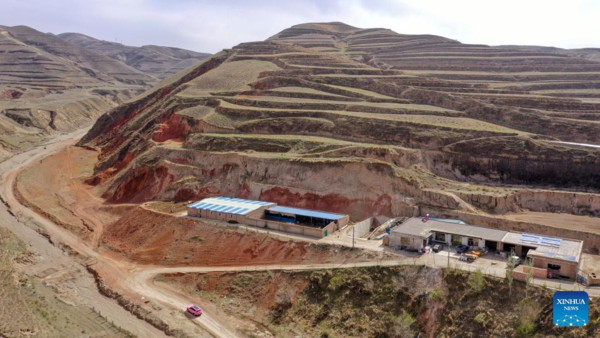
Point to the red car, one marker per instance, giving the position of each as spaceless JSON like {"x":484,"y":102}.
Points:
{"x":194,"y":310}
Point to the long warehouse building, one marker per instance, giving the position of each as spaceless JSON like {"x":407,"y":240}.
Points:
{"x":269,"y":215}
{"x":228,"y":209}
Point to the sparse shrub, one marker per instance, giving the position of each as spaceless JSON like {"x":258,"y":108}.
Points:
{"x":242,"y":281}
{"x":529,"y":276}
{"x":435,"y":294}
{"x":325,"y":331}
{"x":527,"y":314}
{"x":480,"y":318}
{"x":477,"y":281}
{"x":196,"y":239}
{"x":335,"y":283}
{"x":510,"y":271}
{"x":403,"y":325}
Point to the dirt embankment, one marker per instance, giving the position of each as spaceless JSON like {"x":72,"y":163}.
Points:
{"x":55,"y":188}
{"x":381,"y":302}
{"x":137,"y":310}
{"x":364,"y":189}
{"x":153,"y":238}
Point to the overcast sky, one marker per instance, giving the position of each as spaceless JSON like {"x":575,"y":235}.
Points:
{"x":209,"y":26}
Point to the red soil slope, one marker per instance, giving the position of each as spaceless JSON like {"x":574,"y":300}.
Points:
{"x":153,"y":238}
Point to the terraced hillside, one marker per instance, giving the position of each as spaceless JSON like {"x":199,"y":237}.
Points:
{"x":157,"y":61}
{"x":49,"y":85}
{"x":363,"y":121}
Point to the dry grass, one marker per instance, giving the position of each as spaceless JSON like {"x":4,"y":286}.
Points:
{"x":301,"y":138}
{"x":362,"y":91}
{"x":430,"y":120}
{"x":221,"y":121}
{"x":302,"y":90}
{"x":227,"y":77}
{"x":390,"y":105}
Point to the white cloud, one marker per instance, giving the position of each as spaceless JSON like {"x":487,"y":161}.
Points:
{"x":211,"y":26}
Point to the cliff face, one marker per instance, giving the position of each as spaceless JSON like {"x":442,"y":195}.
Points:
{"x":303,"y":120}
{"x":519,"y":160}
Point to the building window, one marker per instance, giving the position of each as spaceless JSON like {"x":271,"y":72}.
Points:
{"x":404,"y":240}
{"x":471,"y":241}
{"x":553,"y":267}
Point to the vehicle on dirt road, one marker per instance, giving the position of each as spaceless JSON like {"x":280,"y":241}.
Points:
{"x":461,"y":249}
{"x":194,"y":310}
{"x":438,"y":247}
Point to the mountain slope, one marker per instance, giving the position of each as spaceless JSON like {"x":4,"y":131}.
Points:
{"x":325,"y":116}
{"x":49,"y":85}
{"x":160,"y":62}
{"x":33,"y":48}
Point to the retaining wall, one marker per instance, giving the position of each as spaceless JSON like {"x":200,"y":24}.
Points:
{"x":291,"y":228}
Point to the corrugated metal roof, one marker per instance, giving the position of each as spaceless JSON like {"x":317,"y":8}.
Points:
{"x":552,"y":247}
{"x":228,"y":205}
{"x":307,"y":213}
{"x":540,"y":240}
{"x":416,"y":227}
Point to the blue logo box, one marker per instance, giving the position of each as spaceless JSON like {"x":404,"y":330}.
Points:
{"x":570,"y":308}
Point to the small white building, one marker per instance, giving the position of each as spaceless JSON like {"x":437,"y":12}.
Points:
{"x":550,"y":255}
{"x":416,"y":233}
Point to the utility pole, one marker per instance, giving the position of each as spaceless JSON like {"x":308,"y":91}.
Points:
{"x":448,"y":257}
{"x":353,"y":236}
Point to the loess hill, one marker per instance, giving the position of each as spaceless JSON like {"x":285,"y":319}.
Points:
{"x":50,"y":85}
{"x":158,"y":61}
{"x":367,"y":122}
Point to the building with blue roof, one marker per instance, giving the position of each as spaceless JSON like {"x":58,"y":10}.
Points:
{"x":233,"y":210}
{"x":268,"y":215}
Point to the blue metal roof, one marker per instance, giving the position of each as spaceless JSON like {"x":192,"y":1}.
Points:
{"x":307,"y":213}
{"x":448,"y":220}
{"x":236,"y":206}
{"x":540,"y":240}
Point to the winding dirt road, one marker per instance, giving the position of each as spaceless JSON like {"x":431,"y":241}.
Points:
{"x":120,"y":270}
{"x":132,"y":279}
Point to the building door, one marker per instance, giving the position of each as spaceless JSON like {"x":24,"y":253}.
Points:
{"x":525,"y":250}
{"x":456,"y":240}
{"x":440,"y":236}
{"x":508,"y":247}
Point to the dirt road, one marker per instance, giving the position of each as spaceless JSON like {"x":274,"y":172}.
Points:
{"x":131,"y":280}
{"x":79,"y":281}
{"x":119,"y":270}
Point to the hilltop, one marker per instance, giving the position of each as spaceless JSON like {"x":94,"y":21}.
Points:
{"x":157,"y":61}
